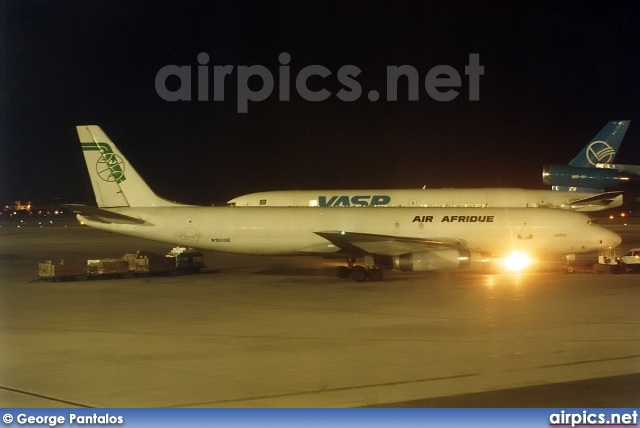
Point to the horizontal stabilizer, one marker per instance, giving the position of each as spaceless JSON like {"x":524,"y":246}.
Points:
{"x":385,"y":245}
{"x":103,"y":216}
{"x":630,"y":169}
{"x":601,"y":199}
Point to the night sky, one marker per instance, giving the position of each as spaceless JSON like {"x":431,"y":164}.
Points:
{"x":554,"y":74}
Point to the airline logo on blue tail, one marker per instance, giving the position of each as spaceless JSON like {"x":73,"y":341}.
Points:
{"x":600,"y":152}
{"x":110,"y":166}
{"x":356,"y":201}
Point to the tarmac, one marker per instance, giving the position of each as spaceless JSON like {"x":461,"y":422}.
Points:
{"x":286,"y":332}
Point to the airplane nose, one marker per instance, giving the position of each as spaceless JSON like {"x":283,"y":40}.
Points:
{"x":612,"y":239}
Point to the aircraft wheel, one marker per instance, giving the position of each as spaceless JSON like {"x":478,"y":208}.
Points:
{"x":375,"y":274}
{"x":569,"y":269}
{"x":343,"y":272}
{"x":358,"y":274}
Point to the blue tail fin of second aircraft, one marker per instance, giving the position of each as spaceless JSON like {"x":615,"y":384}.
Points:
{"x":603,"y":147}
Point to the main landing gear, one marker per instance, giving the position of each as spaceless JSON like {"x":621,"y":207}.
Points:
{"x":359,"y":273}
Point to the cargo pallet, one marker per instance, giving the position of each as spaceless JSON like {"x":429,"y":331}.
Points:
{"x":139,"y":263}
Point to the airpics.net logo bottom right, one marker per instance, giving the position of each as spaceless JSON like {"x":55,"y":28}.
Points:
{"x":440,"y":82}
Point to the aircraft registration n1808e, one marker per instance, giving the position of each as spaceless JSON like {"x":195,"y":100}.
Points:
{"x":405,"y":239}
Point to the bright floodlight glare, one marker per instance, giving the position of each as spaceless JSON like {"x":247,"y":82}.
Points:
{"x":516,"y":261}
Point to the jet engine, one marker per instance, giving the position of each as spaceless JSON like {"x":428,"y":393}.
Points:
{"x":441,"y":259}
{"x":592,"y":178}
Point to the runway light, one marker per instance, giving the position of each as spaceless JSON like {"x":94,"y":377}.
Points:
{"x":490,"y":281}
{"x":516,"y":261}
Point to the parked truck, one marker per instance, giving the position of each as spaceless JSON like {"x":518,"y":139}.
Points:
{"x":609,"y":261}
{"x":631,"y":260}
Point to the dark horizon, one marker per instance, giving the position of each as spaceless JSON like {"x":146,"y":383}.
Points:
{"x":554,"y":75}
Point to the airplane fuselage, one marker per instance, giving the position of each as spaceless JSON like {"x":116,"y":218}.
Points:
{"x":286,"y":231}
{"x":488,"y":197}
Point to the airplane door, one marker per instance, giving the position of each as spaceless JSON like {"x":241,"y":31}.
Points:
{"x":524,"y":229}
{"x":191,"y":230}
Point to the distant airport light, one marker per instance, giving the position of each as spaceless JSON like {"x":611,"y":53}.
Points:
{"x":623,"y":215}
{"x":516,"y":261}
{"x":611,"y":217}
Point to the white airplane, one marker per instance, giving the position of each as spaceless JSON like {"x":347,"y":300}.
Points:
{"x":405,"y":239}
{"x":588,"y":201}
{"x":432,"y":198}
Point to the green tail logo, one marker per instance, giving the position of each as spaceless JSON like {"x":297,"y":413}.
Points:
{"x":110,"y":167}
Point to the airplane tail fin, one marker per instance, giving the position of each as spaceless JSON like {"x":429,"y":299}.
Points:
{"x":115,"y":182}
{"x":603,"y":147}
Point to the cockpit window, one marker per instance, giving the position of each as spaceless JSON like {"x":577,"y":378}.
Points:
{"x":592,"y":222}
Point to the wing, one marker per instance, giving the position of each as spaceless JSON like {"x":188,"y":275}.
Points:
{"x":103,"y":216}
{"x":386,"y":245}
